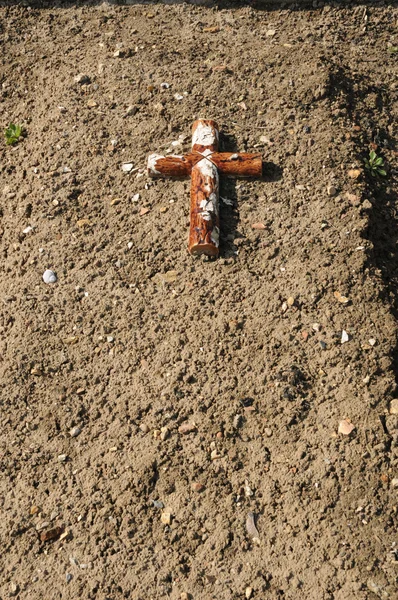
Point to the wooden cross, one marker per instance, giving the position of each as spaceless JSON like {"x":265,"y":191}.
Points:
{"x":204,"y":164}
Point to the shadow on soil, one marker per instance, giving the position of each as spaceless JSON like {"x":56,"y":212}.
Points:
{"x":229,"y":205}
{"x":371,"y":107}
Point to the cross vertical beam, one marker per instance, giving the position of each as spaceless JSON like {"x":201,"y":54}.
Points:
{"x":203,"y":164}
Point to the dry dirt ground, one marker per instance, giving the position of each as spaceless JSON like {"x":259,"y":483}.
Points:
{"x":136,"y":338}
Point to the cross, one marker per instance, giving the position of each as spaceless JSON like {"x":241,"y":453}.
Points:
{"x":203,"y":164}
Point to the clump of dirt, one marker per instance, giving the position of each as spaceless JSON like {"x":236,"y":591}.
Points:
{"x":104,"y":494}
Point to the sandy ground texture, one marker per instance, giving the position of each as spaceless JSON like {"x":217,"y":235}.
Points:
{"x":172,"y":427}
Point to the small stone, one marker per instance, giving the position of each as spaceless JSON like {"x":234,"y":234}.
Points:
{"x":34,"y":510}
{"x":322,"y":345}
{"x":156,"y":434}
{"x":144,"y":428}
{"x":331,"y":190}
{"x":165,"y":85}
{"x":178,"y":97}
{"x":27,"y":230}
{"x":184,"y":596}
{"x":127,"y":167}
{"x":268,"y":432}
{"x":68,"y":577}
{"x":114,"y":201}
{"x":214,"y":455}
{"x":251,"y":528}
{"x":259,"y":226}
{"x":51,"y":534}
{"x":62,"y":458}
{"x":165,"y":518}
{"x":394,"y":482}
{"x":75,"y":431}
{"x":197,"y":487}
{"x":187,"y":427}
{"x":344,"y":337}
{"x":135,"y":198}
{"x":82,"y":79}
{"x":144,"y":211}
{"x":73,"y":561}
{"x":394,"y":407}
{"x":91,"y":103}
{"x":316,"y":327}
{"x":14,"y":589}
{"x":237,"y":421}
{"x":372,"y":341}
{"x":248,"y":592}
{"x":304,"y":335}
{"x":110,"y":339}
{"x":164,"y":433}
{"x":131,"y":111}
{"x":130,"y":245}
{"x":49,"y":276}
{"x":270,"y":32}
{"x":346,"y":427}
{"x":340,"y":298}
{"x":354,"y":173}
{"x":290,"y":301}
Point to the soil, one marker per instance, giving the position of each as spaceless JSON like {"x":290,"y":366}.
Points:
{"x":104,"y":495}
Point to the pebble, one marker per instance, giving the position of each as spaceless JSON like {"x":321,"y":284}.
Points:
{"x":346,"y":427}
{"x":131,"y":110}
{"x":62,"y":458}
{"x":14,"y":589}
{"x":322,"y":345}
{"x":164,"y":433}
{"x":331,"y":190}
{"x":135,"y":198}
{"x":344,"y":337}
{"x":165,"y":85}
{"x":316,"y":327}
{"x":144,"y":428}
{"x":268,"y":432}
{"x":251,"y":528}
{"x":165,"y":518}
{"x":49,"y":276}
{"x":394,"y":482}
{"x":248,"y":592}
{"x":197,"y":487}
{"x":178,"y":97}
{"x":82,"y":79}
{"x":187,"y":427}
{"x":127,"y":167}
{"x":34,"y":510}
{"x":75,"y":431}
{"x":184,"y":596}
{"x":130,"y":245}
{"x":394,"y":407}
{"x":157,"y":503}
{"x":68,"y":577}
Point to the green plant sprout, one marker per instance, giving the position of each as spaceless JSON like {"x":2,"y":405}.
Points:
{"x":375,"y":164}
{"x":13,"y":133}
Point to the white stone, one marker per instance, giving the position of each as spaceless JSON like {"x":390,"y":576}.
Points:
{"x":49,"y":276}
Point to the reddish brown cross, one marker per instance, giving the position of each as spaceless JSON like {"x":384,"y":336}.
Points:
{"x":204,"y":164}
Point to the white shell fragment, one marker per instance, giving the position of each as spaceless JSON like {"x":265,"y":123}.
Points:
{"x":344,"y":337}
{"x":49,"y":276}
{"x":127,"y":167}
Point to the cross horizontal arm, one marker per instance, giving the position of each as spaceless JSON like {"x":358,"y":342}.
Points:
{"x":228,"y":163}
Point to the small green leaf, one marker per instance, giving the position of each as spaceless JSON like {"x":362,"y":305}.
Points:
{"x":382,"y":172}
{"x":372,"y":155}
{"x":379,"y":162}
{"x":392,"y":50}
